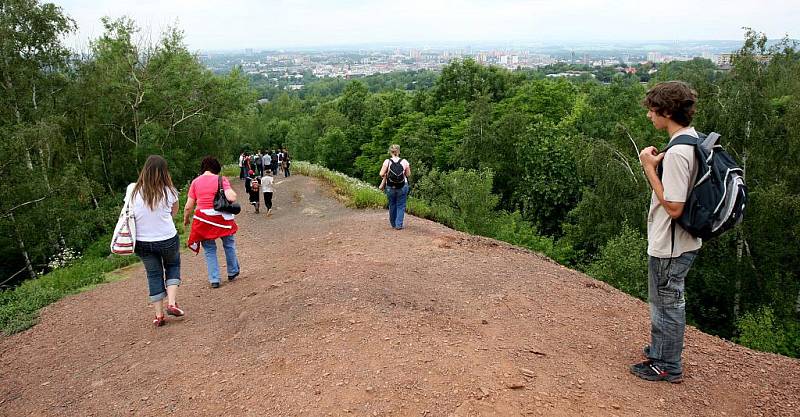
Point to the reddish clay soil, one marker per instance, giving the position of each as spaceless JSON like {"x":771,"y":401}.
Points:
{"x":335,"y":313}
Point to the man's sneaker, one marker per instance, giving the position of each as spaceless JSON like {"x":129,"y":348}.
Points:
{"x":173,"y":310}
{"x":215,"y":285}
{"x":159,"y":321}
{"x":233,"y":277}
{"x":649,"y":371}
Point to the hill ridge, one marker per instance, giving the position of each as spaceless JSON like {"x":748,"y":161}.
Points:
{"x":337,"y":314}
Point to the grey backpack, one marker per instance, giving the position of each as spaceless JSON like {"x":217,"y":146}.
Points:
{"x":717,"y":201}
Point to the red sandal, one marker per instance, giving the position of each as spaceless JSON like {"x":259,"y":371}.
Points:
{"x":159,"y":321}
{"x":174,"y":310}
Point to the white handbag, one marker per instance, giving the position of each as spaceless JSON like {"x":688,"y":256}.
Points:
{"x":123,"y":241}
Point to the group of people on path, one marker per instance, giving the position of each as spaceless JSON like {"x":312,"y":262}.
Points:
{"x":258,"y":171}
{"x":276,"y":161}
{"x":154,"y":201}
{"x":671,"y":249}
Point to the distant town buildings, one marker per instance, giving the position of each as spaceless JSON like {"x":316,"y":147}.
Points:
{"x":290,"y":69}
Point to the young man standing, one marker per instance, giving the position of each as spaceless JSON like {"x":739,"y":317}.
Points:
{"x":671,"y":249}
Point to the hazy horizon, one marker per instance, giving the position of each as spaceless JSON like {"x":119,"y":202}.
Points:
{"x":305,"y":24}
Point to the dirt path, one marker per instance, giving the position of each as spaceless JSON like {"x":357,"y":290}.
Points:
{"x":337,"y":314}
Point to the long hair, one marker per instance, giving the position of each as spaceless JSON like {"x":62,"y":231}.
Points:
{"x":154,"y":182}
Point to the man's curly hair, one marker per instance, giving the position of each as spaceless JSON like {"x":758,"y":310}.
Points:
{"x":673,"y":99}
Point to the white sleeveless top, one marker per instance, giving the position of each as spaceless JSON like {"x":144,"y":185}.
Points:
{"x":157,"y":224}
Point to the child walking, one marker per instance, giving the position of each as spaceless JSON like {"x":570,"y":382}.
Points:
{"x":267,"y":188}
{"x":255,"y":185}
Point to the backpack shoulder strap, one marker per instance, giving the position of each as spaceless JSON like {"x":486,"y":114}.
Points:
{"x":682,"y":140}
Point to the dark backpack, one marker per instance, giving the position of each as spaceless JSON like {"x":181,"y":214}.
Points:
{"x":396,"y":175}
{"x":716,"y":202}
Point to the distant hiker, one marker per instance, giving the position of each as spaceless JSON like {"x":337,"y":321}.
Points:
{"x":209,"y":224}
{"x":286,"y":163}
{"x":671,"y":249}
{"x":395,"y":173}
{"x":259,"y":163}
{"x":266,"y":162}
{"x":280,"y":159}
{"x":254,"y":191}
{"x":241,"y":166}
{"x":154,"y":201}
{"x":246,"y":163}
{"x":267,"y":189}
{"x":274,"y":157}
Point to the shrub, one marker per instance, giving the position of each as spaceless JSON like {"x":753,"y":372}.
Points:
{"x":623,"y":263}
{"x":760,"y":331}
{"x":462,"y":199}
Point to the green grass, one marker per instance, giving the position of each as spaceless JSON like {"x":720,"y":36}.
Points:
{"x":231,"y":170}
{"x":19,"y":307}
{"x":355,"y":193}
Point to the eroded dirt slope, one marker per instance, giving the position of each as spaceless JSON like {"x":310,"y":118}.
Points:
{"x":337,"y":314}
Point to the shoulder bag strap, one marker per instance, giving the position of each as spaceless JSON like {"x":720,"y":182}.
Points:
{"x":128,"y":197}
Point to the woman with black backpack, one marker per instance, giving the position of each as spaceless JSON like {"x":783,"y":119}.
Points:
{"x":395,"y":172}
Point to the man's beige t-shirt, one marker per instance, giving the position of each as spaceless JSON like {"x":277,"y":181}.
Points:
{"x":680,"y":170}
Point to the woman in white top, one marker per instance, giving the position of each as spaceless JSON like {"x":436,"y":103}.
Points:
{"x":154,"y":200}
{"x":395,"y":173}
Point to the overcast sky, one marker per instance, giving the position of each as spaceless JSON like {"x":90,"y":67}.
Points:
{"x":238,"y":24}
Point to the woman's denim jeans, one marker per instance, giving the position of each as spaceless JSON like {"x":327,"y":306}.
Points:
{"x":665,"y":289}
{"x":397,"y":205}
{"x":161,"y":259}
{"x":210,"y":251}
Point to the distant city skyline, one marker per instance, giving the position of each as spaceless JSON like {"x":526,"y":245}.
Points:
{"x":286,"y":24}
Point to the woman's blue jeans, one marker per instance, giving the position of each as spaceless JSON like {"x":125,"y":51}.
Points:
{"x":397,"y":205}
{"x":161,"y":260}
{"x":210,"y":251}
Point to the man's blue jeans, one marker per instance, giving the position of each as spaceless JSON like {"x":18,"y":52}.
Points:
{"x":665,"y":288}
{"x":210,"y":251}
{"x":397,"y":205}
{"x":161,"y":260}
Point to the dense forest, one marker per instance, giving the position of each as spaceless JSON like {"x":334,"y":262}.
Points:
{"x":549,"y":164}
{"x":75,"y":127}
{"x":552,"y":164}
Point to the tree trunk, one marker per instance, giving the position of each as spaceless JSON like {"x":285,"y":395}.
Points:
{"x":24,"y":251}
{"x":105,"y":167}
{"x":797,"y":304}
{"x":46,"y":160}
{"x":740,"y":239}
{"x":80,"y":161}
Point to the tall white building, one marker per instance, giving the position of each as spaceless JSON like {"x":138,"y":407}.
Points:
{"x":654,"y":57}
